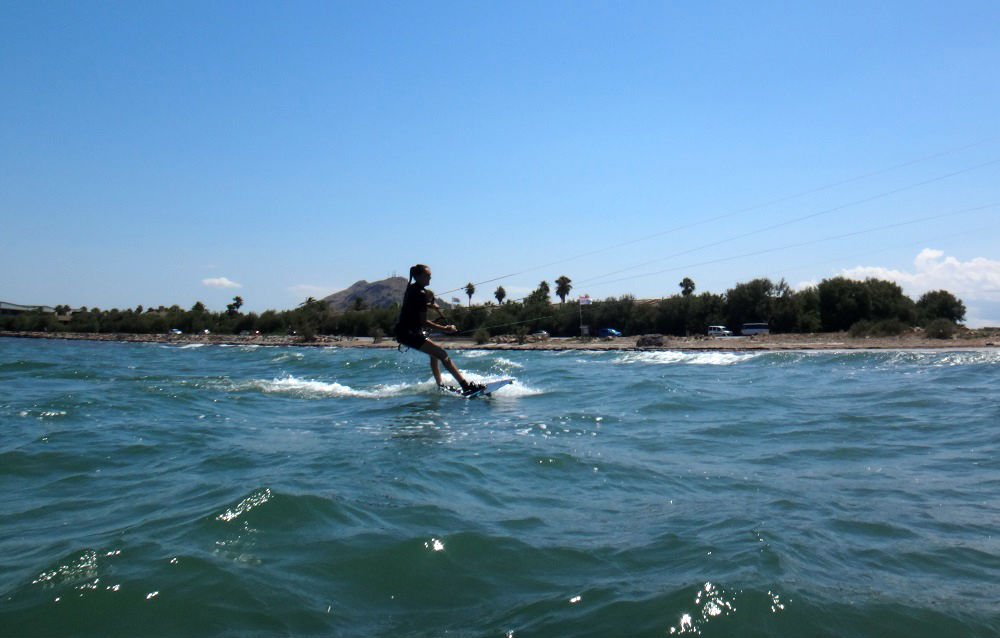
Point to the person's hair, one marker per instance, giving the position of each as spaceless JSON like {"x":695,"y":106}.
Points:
{"x":416,"y":270}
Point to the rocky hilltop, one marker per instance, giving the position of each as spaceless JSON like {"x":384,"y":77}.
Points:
{"x":374,"y":294}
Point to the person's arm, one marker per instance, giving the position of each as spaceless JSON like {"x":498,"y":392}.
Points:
{"x":446,"y":327}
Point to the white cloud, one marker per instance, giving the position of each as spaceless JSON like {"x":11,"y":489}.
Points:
{"x":974,"y":280}
{"x":809,"y":283}
{"x":220,"y":282}
{"x":983,"y":314}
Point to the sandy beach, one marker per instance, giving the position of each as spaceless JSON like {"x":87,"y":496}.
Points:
{"x":985,"y":338}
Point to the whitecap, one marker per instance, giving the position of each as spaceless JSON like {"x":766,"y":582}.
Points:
{"x":288,"y":356}
{"x":474,"y":354}
{"x":502,"y":362}
{"x":515,"y":389}
{"x":685,"y":358}
{"x":256,"y":499}
{"x":311,"y":389}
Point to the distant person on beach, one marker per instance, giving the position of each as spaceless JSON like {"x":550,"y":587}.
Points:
{"x":412,"y":320}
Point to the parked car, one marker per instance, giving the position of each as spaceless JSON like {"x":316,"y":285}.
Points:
{"x":719,"y":331}
{"x":541,"y":334}
{"x":608,"y":332}
{"x":176,"y":331}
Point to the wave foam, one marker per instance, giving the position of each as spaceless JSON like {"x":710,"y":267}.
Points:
{"x":502,"y":362}
{"x":686,"y":358}
{"x":474,"y":354}
{"x":310,"y":389}
{"x":288,"y":356}
{"x":313,"y":389}
{"x":516,"y":389}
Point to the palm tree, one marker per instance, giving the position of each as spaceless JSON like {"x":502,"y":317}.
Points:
{"x":541,"y":293}
{"x":500,"y":294}
{"x":687,"y":286}
{"x":470,"y":290}
{"x":563,"y":286}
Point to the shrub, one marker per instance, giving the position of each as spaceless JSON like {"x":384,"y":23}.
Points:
{"x":941,"y":329}
{"x":889,"y":328}
{"x":860,"y":329}
{"x":481,"y":336}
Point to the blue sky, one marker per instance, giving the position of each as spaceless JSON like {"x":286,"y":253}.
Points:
{"x":162,"y":153}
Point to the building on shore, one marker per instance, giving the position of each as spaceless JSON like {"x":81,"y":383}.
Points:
{"x":7,"y":308}
{"x":62,"y":313}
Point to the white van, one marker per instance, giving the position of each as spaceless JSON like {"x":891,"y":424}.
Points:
{"x":719,"y":331}
{"x":755,"y":329}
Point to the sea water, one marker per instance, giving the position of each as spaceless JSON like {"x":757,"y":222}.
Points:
{"x":159,"y":490}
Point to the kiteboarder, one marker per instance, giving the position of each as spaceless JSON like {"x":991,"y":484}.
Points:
{"x":413,"y":319}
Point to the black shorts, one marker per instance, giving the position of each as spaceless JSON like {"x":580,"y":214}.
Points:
{"x":411,"y":339}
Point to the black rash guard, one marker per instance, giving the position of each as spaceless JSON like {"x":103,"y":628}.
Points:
{"x":412,"y":317}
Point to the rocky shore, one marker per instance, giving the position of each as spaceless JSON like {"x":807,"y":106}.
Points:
{"x":985,"y":338}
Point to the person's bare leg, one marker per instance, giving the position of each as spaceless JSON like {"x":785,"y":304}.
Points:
{"x":438,"y":353}
{"x":436,"y":371}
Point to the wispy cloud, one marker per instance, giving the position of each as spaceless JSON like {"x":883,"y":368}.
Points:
{"x":220,"y":282}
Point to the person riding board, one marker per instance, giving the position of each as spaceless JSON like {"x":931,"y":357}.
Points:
{"x":412,"y":320}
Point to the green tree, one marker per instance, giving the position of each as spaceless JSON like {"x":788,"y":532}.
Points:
{"x":750,"y":302}
{"x":197,"y":319}
{"x":842,"y":303}
{"x":500,"y":294}
{"x":940,"y":304}
{"x":563,"y":286}
{"x":671,"y":316}
{"x":312,"y":313}
{"x":888,"y":301}
{"x":807,"y":312}
{"x":470,"y":289}
{"x":540,"y":294}
{"x":687,"y":286}
{"x":784,"y":315}
{"x":270,"y":322}
{"x":233,"y":309}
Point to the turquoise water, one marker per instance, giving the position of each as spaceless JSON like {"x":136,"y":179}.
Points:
{"x":215,"y":491}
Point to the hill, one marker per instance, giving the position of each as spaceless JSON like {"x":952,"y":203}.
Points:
{"x":375,"y":294}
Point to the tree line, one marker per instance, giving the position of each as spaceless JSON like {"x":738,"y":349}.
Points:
{"x":871,"y":307}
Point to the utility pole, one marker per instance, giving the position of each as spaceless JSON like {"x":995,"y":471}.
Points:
{"x":584,"y":300}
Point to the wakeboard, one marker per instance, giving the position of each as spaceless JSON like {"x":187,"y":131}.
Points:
{"x":488,"y":390}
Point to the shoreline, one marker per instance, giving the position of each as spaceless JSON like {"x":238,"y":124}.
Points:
{"x":781,"y":342}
